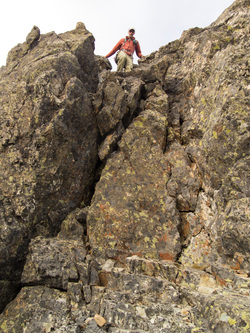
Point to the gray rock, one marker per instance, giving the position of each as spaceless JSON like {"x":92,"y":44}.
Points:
{"x":54,"y":263}
{"x":154,"y":233}
{"x":33,"y":36}
{"x":103,"y":63}
{"x":40,"y":309}
{"x":48,"y":141}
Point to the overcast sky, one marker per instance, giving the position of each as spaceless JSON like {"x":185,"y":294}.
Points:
{"x":157,"y":22}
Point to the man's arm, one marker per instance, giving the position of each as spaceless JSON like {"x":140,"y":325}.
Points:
{"x":138,"y":50}
{"x":116,"y":48}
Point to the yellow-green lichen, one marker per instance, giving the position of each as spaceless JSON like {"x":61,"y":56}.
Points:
{"x":232,"y":321}
{"x":216,"y":47}
{"x":138,"y":124}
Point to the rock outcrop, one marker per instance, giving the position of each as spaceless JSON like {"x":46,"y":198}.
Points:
{"x":48,"y":140}
{"x":125,"y":196}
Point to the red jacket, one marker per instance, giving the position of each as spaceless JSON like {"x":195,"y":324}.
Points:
{"x":129,"y":47}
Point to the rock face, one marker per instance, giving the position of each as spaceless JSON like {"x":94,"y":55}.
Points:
{"x":125,"y":196}
{"x":48,"y":140}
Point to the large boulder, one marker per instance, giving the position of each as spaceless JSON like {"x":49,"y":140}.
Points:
{"x":48,"y":139}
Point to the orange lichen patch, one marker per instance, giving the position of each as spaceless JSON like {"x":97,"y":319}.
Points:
{"x":221,"y":281}
{"x":102,"y":207}
{"x":139,"y":254}
{"x":107,"y":217}
{"x":237,"y":265}
{"x":184,"y":312}
{"x":166,"y":256}
{"x":206,"y":243}
{"x":164,"y":238}
{"x":218,"y":128}
{"x":108,"y":234}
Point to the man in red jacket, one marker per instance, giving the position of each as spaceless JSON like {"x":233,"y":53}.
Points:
{"x":126,"y":47}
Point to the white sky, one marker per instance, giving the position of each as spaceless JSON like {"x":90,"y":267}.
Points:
{"x":157,"y":22}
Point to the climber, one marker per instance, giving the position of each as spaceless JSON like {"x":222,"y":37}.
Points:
{"x":126,"y":47}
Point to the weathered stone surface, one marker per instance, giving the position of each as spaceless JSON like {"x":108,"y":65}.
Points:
{"x":103,"y":63}
{"x":234,"y":239}
{"x":163,"y":246}
{"x":74,"y":226}
{"x":48,"y":139}
{"x":110,"y":142}
{"x":38,"y":309}
{"x":184,"y":184}
{"x":54,"y":262}
{"x":225,"y":313}
{"x":108,"y":117}
{"x":116,"y":102}
{"x":129,"y":206}
{"x":33,"y":36}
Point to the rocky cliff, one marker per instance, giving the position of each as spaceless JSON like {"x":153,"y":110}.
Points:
{"x":125,"y":196}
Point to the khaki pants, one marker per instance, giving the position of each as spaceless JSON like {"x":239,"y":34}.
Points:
{"x":124,"y":61}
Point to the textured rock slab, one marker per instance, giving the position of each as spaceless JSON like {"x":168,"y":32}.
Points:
{"x":207,"y":86}
{"x":38,"y":309}
{"x":129,"y":213}
{"x":225,"y":313}
{"x":48,"y":138}
{"x":54,"y":263}
{"x":184,"y":183}
{"x":116,"y":101}
{"x":235,"y":239}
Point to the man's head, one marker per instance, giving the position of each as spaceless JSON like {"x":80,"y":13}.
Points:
{"x":131,"y":32}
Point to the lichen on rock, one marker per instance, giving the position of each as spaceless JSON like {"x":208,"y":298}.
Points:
{"x":125,"y":196}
